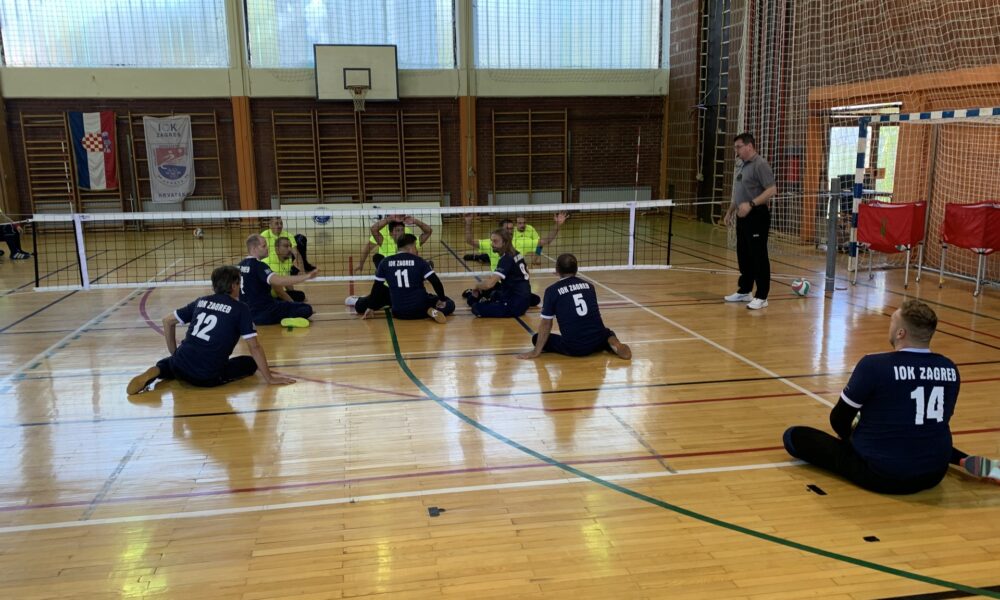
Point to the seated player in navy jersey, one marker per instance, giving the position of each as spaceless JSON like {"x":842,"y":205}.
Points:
{"x":217,"y":322}
{"x":399,"y":283}
{"x":255,"y":287}
{"x":902,"y":442}
{"x":573,"y":303}
{"x":505,"y":292}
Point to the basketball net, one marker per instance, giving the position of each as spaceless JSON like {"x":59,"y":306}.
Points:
{"x":358,"y":93}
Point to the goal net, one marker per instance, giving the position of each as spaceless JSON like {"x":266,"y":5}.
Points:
{"x":164,"y":249}
{"x":798,"y":74}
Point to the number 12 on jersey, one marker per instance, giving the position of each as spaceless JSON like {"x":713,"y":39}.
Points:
{"x":932,"y":408}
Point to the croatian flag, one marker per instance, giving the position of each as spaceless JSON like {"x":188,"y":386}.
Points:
{"x":94,"y":146}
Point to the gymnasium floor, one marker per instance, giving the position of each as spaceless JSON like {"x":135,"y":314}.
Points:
{"x":417,"y":460}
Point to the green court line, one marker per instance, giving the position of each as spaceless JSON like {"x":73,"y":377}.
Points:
{"x":666,"y":505}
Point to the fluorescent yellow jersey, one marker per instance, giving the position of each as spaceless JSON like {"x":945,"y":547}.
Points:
{"x":526,"y":241}
{"x":388,"y":247}
{"x":278,"y":267}
{"x":268,"y":235}
{"x":486,"y":247}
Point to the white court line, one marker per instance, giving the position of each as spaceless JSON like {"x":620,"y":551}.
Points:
{"x":376,"y":497}
{"x":718,"y":346}
{"x":44,"y":354}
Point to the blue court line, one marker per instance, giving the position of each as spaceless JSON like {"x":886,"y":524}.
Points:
{"x":464,"y":264}
{"x":666,"y":505}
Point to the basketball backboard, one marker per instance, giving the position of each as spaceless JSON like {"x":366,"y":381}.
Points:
{"x":340,"y":66}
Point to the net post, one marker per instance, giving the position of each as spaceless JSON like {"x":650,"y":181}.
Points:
{"x":859,"y":186}
{"x":670,"y":232}
{"x":81,"y":251}
{"x":832,"y":220}
{"x":631,"y":234}
{"x":34,"y":251}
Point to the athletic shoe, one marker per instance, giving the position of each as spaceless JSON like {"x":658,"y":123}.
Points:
{"x":142,"y":381}
{"x":351,"y":300}
{"x":622,"y":350}
{"x":467,"y":293}
{"x":738,"y":297}
{"x":20,"y":255}
{"x":294,"y":322}
{"x":757,"y":304}
{"x":437,"y":315}
{"x":980,"y":466}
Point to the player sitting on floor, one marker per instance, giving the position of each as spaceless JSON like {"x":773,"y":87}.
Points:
{"x":255,"y":288}
{"x":529,"y":243}
{"x":10,"y":232}
{"x":509,"y":293}
{"x":217,"y":322}
{"x":491,"y":256}
{"x":281,"y":262}
{"x":275,"y":232}
{"x":384,"y":234}
{"x":404,"y":273}
{"x":902,"y":442}
{"x":573,"y":303}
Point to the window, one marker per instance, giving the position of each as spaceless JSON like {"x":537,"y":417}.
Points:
{"x":114,"y":33}
{"x":282,"y":32}
{"x":568,"y":34}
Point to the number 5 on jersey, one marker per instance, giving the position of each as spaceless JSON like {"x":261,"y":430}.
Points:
{"x":581,"y":304}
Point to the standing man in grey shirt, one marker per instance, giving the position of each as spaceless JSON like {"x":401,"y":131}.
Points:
{"x":753,"y":189}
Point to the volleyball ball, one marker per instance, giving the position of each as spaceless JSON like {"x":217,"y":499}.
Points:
{"x":801,"y":287}
{"x":198,"y":233}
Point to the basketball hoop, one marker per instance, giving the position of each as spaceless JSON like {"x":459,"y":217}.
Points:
{"x":358,"y":93}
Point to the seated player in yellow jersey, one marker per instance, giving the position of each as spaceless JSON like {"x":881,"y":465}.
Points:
{"x":384,"y":234}
{"x":281,"y":263}
{"x":274,"y":232}
{"x":529,"y":243}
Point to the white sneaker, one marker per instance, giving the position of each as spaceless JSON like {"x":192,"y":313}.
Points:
{"x":437,"y":315}
{"x":757,"y":304}
{"x":350,"y":300}
{"x":738,"y":297}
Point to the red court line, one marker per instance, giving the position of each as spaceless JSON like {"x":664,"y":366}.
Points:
{"x":397,"y":476}
{"x":354,"y":480}
{"x":631,"y":405}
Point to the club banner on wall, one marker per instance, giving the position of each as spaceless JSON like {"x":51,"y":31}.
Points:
{"x":95,"y":149}
{"x":170,"y":156}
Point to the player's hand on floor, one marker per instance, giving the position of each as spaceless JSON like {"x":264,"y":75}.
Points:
{"x":527,"y":355}
{"x":368,"y":314}
{"x":279,"y":380}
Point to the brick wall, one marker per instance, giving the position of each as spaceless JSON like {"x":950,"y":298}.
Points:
{"x":263,"y":139}
{"x":222,"y":107}
{"x":603,"y":133}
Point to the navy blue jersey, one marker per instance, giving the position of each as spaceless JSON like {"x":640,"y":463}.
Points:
{"x":906,"y":400}
{"x":513,"y":274}
{"x":215,"y":324}
{"x":573,"y":303}
{"x":255,"y":284}
{"x":405,"y":274}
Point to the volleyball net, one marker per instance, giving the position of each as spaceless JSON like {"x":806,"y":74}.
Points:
{"x":132,"y":250}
